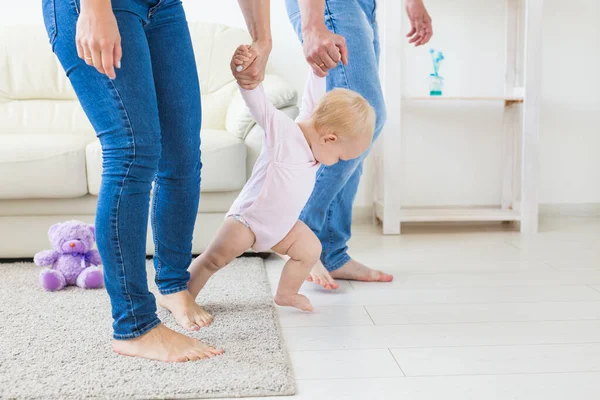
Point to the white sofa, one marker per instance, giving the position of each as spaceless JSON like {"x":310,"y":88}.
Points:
{"x":50,"y":159}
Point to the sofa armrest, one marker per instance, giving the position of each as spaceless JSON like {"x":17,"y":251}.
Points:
{"x":239,"y":121}
{"x":255,"y":137}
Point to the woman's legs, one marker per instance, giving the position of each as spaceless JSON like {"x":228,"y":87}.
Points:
{"x":125,"y":117}
{"x":124,"y":114}
{"x":177,"y":184}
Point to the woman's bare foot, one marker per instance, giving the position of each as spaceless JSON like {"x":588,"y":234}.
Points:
{"x":164,"y":344}
{"x":188,"y":314}
{"x":352,"y":270}
{"x":294,"y":300}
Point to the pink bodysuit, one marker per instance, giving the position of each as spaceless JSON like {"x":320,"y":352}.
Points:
{"x":284,"y":174}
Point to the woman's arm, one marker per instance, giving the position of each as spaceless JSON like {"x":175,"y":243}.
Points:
{"x":98,"y":40}
{"x":257,"y":14}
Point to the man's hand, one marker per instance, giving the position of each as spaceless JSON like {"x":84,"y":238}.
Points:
{"x":253,"y":60}
{"x":324,"y":49}
{"x":420,"y":22}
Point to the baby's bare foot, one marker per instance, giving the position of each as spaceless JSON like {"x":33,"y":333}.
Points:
{"x":163,"y":344}
{"x":294,"y":300}
{"x":188,"y":314}
{"x":321,"y":276}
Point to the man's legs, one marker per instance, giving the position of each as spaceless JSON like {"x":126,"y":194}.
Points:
{"x":329,"y":210}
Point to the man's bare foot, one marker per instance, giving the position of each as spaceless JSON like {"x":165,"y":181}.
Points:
{"x":320,"y":276}
{"x":352,"y":270}
{"x":188,"y":314}
{"x":355,"y":271}
{"x":294,"y":300}
{"x":164,"y":344}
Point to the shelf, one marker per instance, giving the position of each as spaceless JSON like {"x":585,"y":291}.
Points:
{"x":513,"y":99}
{"x":453,"y":214}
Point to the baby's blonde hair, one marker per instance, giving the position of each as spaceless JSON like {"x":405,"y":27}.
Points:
{"x":345,"y":112}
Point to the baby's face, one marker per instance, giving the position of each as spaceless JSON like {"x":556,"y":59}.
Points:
{"x":329,"y":152}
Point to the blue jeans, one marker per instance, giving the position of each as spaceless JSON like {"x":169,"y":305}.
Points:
{"x":329,"y":210}
{"x":148,"y":123}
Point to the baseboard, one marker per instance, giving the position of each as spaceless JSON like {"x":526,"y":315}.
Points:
{"x":583,"y":210}
{"x":580,"y":210}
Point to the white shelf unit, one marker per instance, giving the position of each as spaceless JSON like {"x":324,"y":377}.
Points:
{"x":521,"y":100}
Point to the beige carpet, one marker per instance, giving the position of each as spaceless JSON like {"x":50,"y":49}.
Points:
{"x":57,"y":345}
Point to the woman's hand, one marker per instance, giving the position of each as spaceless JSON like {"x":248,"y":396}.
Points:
{"x":323,"y":49}
{"x":97,"y":38}
{"x":420,"y":23}
{"x":253,"y":62}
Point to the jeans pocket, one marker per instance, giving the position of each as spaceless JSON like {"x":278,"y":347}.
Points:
{"x":49,"y":14}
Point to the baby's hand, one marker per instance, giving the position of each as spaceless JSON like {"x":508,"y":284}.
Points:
{"x":242,"y":58}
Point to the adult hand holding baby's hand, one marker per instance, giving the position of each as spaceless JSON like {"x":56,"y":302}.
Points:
{"x":248,"y":64}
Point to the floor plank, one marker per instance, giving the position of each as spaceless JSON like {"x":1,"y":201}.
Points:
{"x":483,"y":360}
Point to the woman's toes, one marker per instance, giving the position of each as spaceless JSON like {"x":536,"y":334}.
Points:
{"x":189,"y":325}
{"x":216,"y":352}
{"x":194,"y":356}
{"x":208,"y":353}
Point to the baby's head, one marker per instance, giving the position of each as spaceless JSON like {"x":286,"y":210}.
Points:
{"x":345,"y":122}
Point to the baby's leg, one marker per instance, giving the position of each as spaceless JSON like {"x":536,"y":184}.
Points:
{"x":304,"y":249}
{"x":232,"y":239}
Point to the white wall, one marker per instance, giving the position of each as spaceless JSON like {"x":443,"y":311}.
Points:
{"x":451,"y":153}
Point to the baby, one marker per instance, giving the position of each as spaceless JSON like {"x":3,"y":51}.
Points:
{"x":332,"y":126}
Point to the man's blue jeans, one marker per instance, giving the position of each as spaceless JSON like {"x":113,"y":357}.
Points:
{"x":329,"y":210}
{"x":148,"y":123}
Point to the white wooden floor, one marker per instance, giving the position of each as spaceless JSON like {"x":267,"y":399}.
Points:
{"x":473,"y":313}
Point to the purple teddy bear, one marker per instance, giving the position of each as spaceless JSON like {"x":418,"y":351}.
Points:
{"x":72,"y":262}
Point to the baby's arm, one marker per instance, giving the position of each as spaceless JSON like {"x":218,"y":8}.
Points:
{"x":261,"y":108}
{"x":256,"y":100}
{"x":314,"y":90}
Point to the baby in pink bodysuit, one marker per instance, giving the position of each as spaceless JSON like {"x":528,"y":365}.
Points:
{"x":332,"y":126}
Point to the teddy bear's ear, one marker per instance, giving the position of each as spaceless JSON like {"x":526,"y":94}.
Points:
{"x":53,"y":229}
{"x":93,"y":229}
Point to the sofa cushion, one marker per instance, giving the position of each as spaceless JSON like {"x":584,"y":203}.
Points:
{"x":42,"y":166}
{"x":223,"y":162}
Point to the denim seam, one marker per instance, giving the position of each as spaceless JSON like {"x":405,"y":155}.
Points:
{"x":154,"y":236}
{"x":54,"y":26}
{"x":173,"y":290}
{"x":328,"y":223}
{"x":132,"y":135}
{"x":138,"y":332}
{"x":332,"y":21}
